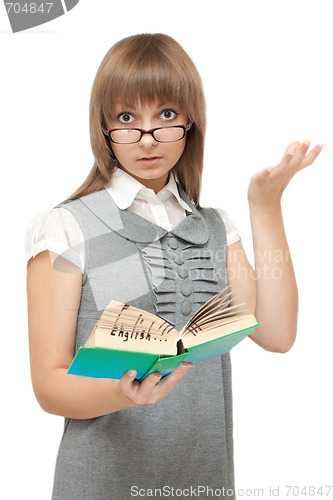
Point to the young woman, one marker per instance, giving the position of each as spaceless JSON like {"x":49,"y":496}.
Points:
{"x":135,"y":232}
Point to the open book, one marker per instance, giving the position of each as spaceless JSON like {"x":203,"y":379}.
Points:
{"x":126,"y":337}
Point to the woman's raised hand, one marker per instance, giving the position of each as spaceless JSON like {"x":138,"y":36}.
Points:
{"x":153,"y":388}
{"x":266,"y":186}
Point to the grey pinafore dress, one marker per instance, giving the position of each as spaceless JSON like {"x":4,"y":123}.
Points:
{"x":185,"y":440}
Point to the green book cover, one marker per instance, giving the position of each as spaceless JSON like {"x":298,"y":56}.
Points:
{"x":111,"y":363}
{"x":218,"y":346}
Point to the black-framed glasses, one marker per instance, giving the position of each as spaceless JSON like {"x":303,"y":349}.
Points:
{"x":160,"y":134}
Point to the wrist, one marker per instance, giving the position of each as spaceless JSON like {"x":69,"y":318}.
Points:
{"x":266,"y":219}
{"x":264,"y":211}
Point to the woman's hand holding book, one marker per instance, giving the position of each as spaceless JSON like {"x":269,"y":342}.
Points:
{"x":152,"y":389}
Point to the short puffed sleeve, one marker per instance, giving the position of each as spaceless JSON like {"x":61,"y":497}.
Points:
{"x":231,"y":230}
{"x":56,"y":231}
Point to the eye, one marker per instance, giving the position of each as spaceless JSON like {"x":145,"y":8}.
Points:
{"x":125,"y":118}
{"x":168,"y":114}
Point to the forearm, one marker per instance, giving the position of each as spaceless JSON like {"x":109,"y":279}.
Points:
{"x":276,"y":288}
{"x":80,"y":397}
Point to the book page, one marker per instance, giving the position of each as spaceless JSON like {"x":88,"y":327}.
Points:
{"x":215,"y":305}
{"x":129,"y":328}
{"x":219,"y":315}
{"x":215,"y":319}
{"x":219,"y":328}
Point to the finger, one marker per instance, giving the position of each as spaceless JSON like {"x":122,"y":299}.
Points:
{"x":288,"y":156}
{"x":294,"y":157}
{"x":293,"y":147}
{"x":297,"y":152}
{"x":312,"y":155}
{"x":290,"y":151}
{"x":148,"y":384}
{"x":173,"y":378}
{"x":127,"y":382}
{"x":300,"y":153}
{"x":303,"y":159}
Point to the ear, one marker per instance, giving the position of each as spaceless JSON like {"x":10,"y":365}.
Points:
{"x":189,"y":125}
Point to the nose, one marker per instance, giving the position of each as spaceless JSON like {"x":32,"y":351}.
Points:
{"x":147,"y":140}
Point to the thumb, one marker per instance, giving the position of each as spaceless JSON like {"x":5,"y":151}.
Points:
{"x":131,"y":374}
{"x":127,"y":379}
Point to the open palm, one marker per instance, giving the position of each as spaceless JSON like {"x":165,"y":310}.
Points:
{"x":266,"y":186}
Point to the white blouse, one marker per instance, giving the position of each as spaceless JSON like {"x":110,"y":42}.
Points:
{"x":58,"y":231}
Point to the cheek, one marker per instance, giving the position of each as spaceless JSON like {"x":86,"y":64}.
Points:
{"x":120,"y":151}
{"x":178,"y":149}
{"x":115,"y":150}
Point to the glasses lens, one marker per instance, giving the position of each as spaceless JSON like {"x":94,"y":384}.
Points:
{"x":169,"y":134}
{"x":125,"y":136}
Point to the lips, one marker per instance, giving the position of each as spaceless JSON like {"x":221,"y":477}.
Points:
{"x":149,"y":157}
{"x":149,"y":160}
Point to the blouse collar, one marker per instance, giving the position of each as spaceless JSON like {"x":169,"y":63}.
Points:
{"x":124,"y":189}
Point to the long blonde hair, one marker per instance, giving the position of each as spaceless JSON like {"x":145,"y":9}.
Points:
{"x":145,"y":68}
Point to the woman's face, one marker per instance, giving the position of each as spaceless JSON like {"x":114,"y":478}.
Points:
{"x":148,"y":161}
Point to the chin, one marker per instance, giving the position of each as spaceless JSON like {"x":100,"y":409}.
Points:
{"x":148,"y":173}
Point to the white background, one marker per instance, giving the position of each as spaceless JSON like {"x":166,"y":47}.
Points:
{"x":267,"y":73}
